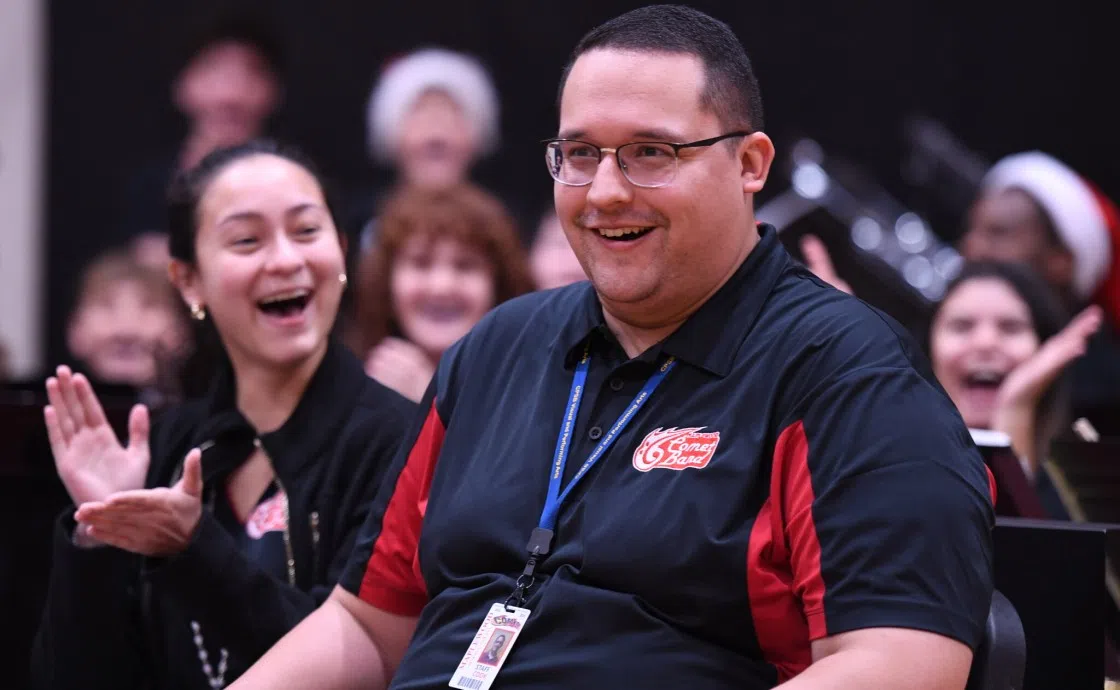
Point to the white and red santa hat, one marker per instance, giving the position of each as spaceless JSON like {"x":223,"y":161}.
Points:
{"x":1086,"y":221}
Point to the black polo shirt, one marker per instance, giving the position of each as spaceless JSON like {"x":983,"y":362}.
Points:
{"x":798,"y":474}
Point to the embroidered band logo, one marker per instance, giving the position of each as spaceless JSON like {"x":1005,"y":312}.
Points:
{"x":269,"y":516}
{"x":676,"y":449}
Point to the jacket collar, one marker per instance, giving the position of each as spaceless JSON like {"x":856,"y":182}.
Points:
{"x":313,"y":426}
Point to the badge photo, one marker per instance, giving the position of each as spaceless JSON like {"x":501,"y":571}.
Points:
{"x":489,"y":648}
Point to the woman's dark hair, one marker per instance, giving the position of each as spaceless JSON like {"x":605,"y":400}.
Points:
{"x":1048,"y":317}
{"x":184,"y":196}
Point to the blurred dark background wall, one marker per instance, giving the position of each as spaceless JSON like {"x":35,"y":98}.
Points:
{"x":1002,"y":75}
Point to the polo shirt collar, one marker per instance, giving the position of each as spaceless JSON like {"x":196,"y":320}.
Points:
{"x":710,"y":337}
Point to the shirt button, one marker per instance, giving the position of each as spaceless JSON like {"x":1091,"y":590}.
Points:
{"x":616,"y":384}
{"x":595,"y":433}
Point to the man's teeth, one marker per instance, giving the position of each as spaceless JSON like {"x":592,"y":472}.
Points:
{"x":619,"y":232}
{"x":291,"y":294}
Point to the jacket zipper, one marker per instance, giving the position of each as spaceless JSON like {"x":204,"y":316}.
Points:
{"x":315,"y":539}
{"x":289,"y":552}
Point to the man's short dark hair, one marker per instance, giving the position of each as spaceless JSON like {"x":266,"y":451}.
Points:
{"x":731,"y":89}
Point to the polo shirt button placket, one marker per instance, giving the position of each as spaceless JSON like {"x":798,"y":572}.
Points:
{"x":595,"y":433}
{"x":617,"y":384}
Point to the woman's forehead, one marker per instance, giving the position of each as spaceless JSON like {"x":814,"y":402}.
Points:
{"x":259,"y":183}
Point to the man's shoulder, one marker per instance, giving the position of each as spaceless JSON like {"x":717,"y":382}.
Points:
{"x":840,"y":356}
{"x":837,"y":331}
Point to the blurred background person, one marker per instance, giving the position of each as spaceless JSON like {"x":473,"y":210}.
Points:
{"x":229,"y":85}
{"x":1034,"y":209}
{"x":431,"y":116}
{"x":128,"y":325}
{"x":196,"y":546}
{"x":442,"y":259}
{"x":1000,"y":342}
{"x":551,"y":258}
{"x":127,"y":332}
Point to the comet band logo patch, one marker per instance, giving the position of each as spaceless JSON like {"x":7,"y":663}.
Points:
{"x":676,"y":449}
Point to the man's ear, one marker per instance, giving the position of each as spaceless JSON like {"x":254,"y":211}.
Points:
{"x":756,"y":155}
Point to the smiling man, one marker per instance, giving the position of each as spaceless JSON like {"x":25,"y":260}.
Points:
{"x":704,"y":468}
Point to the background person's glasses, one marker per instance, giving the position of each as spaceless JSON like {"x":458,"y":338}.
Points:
{"x":644,"y":163}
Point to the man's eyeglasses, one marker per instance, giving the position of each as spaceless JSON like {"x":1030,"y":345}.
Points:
{"x":644,"y":163}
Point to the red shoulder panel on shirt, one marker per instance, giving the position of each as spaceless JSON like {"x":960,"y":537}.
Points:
{"x":392,"y":581}
{"x":784,"y":579}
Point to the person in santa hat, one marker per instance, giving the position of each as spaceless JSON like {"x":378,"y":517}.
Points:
{"x":1034,"y":209}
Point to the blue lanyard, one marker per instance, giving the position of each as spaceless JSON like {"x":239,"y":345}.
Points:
{"x":542,"y":536}
{"x":541,"y":540}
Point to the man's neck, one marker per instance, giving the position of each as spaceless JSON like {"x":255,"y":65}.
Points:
{"x":268,"y":397}
{"x":638,"y":329}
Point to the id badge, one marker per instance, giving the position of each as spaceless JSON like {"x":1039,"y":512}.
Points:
{"x":489,"y":648}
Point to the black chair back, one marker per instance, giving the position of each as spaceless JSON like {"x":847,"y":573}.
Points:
{"x":1000,"y":662}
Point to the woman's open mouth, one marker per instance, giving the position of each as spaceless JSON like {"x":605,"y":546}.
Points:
{"x":984,"y":380}
{"x":286,"y":308}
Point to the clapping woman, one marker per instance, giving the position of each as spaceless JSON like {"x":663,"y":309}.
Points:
{"x":199,"y":543}
{"x":999,"y":344}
